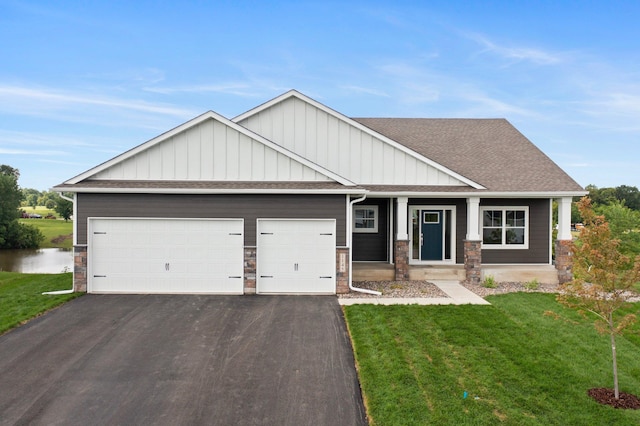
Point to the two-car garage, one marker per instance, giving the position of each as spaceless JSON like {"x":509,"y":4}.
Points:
{"x":206,"y":256}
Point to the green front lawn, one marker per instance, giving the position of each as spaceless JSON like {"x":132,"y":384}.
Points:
{"x":21,"y":296}
{"x":516,"y":365}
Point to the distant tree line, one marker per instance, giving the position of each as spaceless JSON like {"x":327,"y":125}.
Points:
{"x":621,"y":208}
{"x":16,"y":235}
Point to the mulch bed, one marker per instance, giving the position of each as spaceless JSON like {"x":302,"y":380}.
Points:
{"x":60,"y":238}
{"x":606,"y":396}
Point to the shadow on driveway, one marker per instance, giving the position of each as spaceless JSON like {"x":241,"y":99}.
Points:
{"x":178,"y":360}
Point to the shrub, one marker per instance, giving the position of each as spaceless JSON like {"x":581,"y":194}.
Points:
{"x":489,"y":282}
{"x":534,"y":284}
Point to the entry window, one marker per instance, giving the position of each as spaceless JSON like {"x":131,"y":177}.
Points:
{"x":505,"y":227}
{"x":365,"y":219}
{"x":431,"y":217}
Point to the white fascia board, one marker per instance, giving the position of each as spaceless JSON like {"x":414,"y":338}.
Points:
{"x":209,"y":191}
{"x":201,"y":118}
{"x":481,"y":194}
{"x":351,"y":122}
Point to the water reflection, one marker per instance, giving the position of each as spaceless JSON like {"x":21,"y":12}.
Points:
{"x":41,"y":261}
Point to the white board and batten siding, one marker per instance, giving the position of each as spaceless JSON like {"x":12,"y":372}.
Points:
{"x":145,"y":255}
{"x":296,"y":256}
{"x":211,"y":151}
{"x":363,"y":158}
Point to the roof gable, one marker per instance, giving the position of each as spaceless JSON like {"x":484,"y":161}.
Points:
{"x":345,"y":146}
{"x":210,"y":148}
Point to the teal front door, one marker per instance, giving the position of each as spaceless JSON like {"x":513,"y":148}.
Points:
{"x":432,"y":241}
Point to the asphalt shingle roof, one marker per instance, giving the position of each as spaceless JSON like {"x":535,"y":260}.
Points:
{"x":490,"y":152}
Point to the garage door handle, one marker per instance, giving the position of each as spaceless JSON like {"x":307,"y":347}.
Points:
{"x":329,"y":276}
{"x":99,"y":233}
{"x":266,"y":233}
{"x":99,"y":276}
{"x":327,"y":233}
{"x":235,"y":276}
{"x":266,"y":276}
{"x":235,"y":233}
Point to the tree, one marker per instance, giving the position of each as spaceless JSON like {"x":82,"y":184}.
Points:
{"x":63,"y":207}
{"x":604,"y":279}
{"x":624,"y":224}
{"x":13,"y":234}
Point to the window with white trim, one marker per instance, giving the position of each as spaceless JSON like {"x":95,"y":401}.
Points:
{"x":365,"y":219}
{"x":505,"y":227}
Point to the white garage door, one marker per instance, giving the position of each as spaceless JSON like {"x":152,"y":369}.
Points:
{"x":166,"y":256}
{"x":296,"y":256}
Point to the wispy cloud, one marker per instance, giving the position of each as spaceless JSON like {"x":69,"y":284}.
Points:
{"x":29,"y":152}
{"x":516,"y":53}
{"x":366,"y":90}
{"x":21,"y":96}
{"x":237,"y":89}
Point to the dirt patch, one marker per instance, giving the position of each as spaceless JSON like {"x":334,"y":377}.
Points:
{"x":606,"y":396}
{"x":61,"y":238}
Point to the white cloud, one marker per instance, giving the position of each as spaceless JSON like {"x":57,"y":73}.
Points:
{"x":518,"y":53}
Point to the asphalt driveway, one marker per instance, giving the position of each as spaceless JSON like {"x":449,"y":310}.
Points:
{"x":182,"y":360}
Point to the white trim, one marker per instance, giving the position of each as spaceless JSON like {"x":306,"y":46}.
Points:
{"x":200,"y":119}
{"x":503,"y":245}
{"x":376,"y":219}
{"x":453,"y":241}
{"x":466,"y":194}
{"x":353,"y":123}
{"x":345,"y":191}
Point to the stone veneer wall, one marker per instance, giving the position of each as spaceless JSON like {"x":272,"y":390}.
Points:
{"x":80,"y":268}
{"x":250,"y":270}
{"x":473,"y":261}
{"x":564,"y":260}
{"x":342,"y":270}
{"x":401,"y":259}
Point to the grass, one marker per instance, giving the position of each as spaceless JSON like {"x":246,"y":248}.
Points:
{"x":21,"y":296}
{"x":58,"y":233}
{"x":517,"y":365}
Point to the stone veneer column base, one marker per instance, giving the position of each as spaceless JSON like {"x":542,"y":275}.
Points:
{"x":564,"y":261}
{"x":473,"y":261}
{"x":80,"y":268}
{"x":342,"y":270}
{"x":401,"y":258}
{"x":250,"y":270}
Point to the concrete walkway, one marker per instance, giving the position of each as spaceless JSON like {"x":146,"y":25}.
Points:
{"x":458,"y":295}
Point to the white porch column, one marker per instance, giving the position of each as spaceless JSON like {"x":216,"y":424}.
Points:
{"x":401,"y":217}
{"x":564,"y":218}
{"x":473,"y":218}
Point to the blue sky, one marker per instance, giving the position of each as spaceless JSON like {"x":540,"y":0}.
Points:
{"x":81,"y":82}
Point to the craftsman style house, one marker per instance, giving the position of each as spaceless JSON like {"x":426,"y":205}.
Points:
{"x":294,"y":197}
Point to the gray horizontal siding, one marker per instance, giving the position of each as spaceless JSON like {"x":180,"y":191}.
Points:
{"x":539,"y":244}
{"x":373,"y":246}
{"x":248,"y":207}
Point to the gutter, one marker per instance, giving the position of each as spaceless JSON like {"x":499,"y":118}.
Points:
{"x":349,"y":241}
{"x":71,"y":290}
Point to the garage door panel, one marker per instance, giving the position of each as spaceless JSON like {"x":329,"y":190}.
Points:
{"x":296,"y":256}
{"x":166,"y":256}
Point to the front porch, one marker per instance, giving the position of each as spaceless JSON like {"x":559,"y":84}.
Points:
{"x":383,"y":271}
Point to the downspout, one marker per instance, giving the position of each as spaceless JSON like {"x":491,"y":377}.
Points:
{"x":64,"y":197}
{"x":349,"y":241}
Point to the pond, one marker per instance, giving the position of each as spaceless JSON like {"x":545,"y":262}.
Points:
{"x":41,"y":261}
